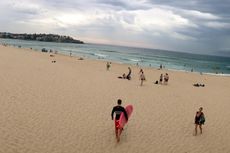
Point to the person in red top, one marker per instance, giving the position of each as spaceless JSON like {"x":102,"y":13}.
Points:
{"x":118,"y":110}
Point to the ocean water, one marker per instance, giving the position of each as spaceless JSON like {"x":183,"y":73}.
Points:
{"x":143,"y":57}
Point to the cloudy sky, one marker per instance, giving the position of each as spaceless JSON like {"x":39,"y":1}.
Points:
{"x":198,"y":26}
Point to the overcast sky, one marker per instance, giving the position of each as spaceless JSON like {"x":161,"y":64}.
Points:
{"x":198,"y":26}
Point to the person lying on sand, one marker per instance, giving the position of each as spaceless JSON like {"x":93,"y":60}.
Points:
{"x":122,"y":77}
{"x":198,"y":85}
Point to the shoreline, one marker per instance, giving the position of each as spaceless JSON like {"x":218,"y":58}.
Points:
{"x":128,"y":64}
{"x":213,"y":66}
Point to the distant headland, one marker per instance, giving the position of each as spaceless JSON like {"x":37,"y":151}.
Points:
{"x":40,"y":37}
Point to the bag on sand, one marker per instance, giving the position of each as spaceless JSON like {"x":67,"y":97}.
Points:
{"x":202,"y":119}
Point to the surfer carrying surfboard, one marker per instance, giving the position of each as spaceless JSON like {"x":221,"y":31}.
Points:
{"x":118,"y":110}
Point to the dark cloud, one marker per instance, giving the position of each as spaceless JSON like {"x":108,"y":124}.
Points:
{"x":194,"y":25}
{"x":212,"y":19}
{"x":212,"y":6}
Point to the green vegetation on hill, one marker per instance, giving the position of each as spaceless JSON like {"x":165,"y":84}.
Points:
{"x":41,"y":37}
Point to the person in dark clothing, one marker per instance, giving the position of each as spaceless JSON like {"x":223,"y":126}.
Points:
{"x":118,"y":110}
{"x":161,"y":78}
{"x":108,"y":66}
{"x":199,"y":120}
{"x":129,"y":74}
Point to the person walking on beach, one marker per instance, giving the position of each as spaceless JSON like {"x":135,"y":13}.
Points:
{"x":166,"y":78}
{"x":129,"y":74}
{"x":118,"y":109}
{"x":107,"y":66}
{"x":142,"y":77}
{"x":199,"y":120}
{"x":161,"y":67}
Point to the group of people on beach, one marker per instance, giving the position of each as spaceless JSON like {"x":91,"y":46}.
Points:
{"x":128,"y":76}
{"x":119,"y":109}
{"x":198,"y":85}
{"x":164,"y":78}
{"x":141,"y":75}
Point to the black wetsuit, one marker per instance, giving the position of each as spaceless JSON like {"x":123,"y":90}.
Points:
{"x":118,"y":110}
{"x":129,"y":75}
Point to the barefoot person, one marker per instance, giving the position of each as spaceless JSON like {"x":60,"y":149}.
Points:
{"x":129,"y":74}
{"x":122,"y":77}
{"x":118,"y":110}
{"x":161,"y":78}
{"x":142,"y":77}
{"x":166,"y":78}
{"x":199,"y":120}
{"x":70,"y":54}
{"x":107,"y":66}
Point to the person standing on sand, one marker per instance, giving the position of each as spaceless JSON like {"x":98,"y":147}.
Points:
{"x":161,"y":67}
{"x":199,"y":120}
{"x":70,"y":54}
{"x":118,"y":110}
{"x":107,"y":66}
{"x":161,"y":78}
{"x":129,"y":74}
{"x":166,"y":78}
{"x":142,"y":77}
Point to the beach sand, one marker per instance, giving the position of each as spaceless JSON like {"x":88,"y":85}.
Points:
{"x":65,"y":107}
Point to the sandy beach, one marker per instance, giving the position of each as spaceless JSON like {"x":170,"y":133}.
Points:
{"x":65,"y":107}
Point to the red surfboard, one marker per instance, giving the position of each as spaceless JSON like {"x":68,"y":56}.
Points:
{"x":122,"y":120}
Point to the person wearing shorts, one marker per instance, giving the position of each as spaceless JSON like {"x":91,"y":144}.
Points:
{"x":118,"y":110}
{"x":199,"y":120}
